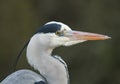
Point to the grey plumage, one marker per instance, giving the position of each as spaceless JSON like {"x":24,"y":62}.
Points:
{"x":26,"y":76}
{"x":23,"y":77}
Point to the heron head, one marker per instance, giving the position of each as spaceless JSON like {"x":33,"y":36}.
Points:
{"x":59,"y":34}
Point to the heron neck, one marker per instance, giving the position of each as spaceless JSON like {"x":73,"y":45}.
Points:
{"x":37,"y":51}
{"x":39,"y":56}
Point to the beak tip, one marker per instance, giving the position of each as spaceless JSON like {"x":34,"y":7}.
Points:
{"x":107,"y":37}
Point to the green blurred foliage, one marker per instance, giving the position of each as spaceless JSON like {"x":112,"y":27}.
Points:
{"x":96,"y":62}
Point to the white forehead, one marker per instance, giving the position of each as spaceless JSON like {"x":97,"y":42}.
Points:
{"x":63,"y":26}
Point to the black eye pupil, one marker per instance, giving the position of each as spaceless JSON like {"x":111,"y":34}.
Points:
{"x":60,"y":33}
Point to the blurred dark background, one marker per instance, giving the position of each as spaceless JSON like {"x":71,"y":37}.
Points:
{"x":92,"y":62}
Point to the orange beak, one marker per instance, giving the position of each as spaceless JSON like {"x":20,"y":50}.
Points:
{"x":79,"y":35}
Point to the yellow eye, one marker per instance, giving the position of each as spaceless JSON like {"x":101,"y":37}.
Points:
{"x":59,"y":33}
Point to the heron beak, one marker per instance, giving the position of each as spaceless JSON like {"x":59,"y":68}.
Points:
{"x":76,"y":37}
{"x":79,"y":35}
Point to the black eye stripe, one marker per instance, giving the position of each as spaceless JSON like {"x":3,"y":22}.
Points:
{"x":49,"y":28}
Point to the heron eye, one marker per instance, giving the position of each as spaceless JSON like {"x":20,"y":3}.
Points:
{"x":59,"y":33}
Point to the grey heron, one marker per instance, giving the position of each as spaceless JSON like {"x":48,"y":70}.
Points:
{"x":52,"y":69}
